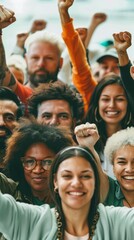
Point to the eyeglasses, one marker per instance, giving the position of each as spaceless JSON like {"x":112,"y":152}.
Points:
{"x":30,"y":163}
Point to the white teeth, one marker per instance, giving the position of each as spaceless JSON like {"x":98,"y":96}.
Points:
{"x":76,"y":193}
{"x":112,"y":113}
{"x":129,"y":177}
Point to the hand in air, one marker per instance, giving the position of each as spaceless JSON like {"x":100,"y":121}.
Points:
{"x":86,"y":134}
{"x":7,"y":17}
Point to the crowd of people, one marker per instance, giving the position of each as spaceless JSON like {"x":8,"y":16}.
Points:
{"x":66,"y":133}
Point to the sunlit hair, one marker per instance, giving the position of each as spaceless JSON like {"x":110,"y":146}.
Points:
{"x":69,"y":152}
{"x":46,"y":37}
{"x":117,"y":140}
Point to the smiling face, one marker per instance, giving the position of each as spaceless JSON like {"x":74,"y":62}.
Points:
{"x":38,"y":177}
{"x":113,"y":104}
{"x":75,"y":182}
{"x":123,"y":167}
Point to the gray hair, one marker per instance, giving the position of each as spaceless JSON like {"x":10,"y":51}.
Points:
{"x":45,"y":36}
{"x":117,"y":140}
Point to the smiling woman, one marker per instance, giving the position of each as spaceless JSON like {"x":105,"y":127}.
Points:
{"x":119,"y":150}
{"x":110,"y":110}
{"x":74,"y":170}
{"x":77,"y":214}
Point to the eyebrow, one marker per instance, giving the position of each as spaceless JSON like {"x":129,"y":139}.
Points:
{"x":120,"y":95}
{"x":46,"y":157}
{"x":84,"y":171}
{"x":57,"y":113}
{"x":121,"y":158}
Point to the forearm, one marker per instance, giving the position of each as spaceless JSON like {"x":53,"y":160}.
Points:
{"x":123,"y":58}
{"x":6,"y":78}
{"x":104,"y":182}
{"x":18,"y":50}
{"x":64,"y":15}
{"x":128,"y":82}
{"x":3,"y":65}
{"x":90,"y":32}
{"x":82,"y":76}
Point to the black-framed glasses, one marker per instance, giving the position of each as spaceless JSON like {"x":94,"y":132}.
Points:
{"x":30,"y":163}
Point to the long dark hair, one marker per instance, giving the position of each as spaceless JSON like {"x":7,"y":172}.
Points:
{"x":75,"y":151}
{"x":93,"y":115}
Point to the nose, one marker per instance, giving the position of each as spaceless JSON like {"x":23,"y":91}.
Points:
{"x":108,"y":70}
{"x":2,"y":122}
{"x":38,"y":169}
{"x":76,"y":182}
{"x":54,"y":121}
{"x":41,"y":62}
{"x":111,"y":103}
{"x":130,"y":167}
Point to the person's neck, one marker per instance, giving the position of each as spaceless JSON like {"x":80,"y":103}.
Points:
{"x":112,"y":128}
{"x":41,"y":195}
{"x":76,"y":222}
{"x":129,"y":198}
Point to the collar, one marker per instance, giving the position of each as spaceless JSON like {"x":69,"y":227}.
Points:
{"x":118,"y":193}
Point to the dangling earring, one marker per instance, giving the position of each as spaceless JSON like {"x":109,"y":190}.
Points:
{"x":97,"y":117}
{"x":56,"y":189}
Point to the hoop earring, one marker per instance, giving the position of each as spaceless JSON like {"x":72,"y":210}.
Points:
{"x":129,"y":119}
{"x":97,"y":118}
{"x":56,"y":189}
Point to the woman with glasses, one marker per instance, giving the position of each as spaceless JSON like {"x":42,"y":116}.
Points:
{"x":30,"y":152}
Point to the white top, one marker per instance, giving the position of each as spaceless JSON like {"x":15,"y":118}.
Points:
{"x":72,"y":237}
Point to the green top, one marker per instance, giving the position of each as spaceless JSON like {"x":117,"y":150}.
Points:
{"x":115,"y":196}
{"x":39,"y":222}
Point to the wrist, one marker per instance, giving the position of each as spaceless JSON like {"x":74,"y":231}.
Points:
{"x":20,"y":45}
{"x":121,"y":52}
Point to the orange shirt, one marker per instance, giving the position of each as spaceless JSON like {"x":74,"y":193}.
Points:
{"x":81,"y":72}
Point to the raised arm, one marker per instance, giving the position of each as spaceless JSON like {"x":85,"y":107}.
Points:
{"x":122,"y":41}
{"x":87,"y":135}
{"x":63,"y":6}
{"x":96,"y":20}
{"x":7,"y":17}
{"x":81,"y":73}
{"x":37,"y":25}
